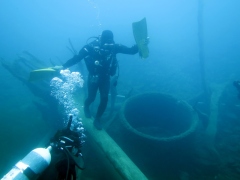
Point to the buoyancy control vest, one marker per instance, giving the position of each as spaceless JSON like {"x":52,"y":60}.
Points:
{"x":101,"y":60}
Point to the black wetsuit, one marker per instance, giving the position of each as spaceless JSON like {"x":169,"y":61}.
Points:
{"x":101,"y":63}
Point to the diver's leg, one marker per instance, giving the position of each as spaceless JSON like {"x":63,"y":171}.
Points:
{"x":104,"y":90}
{"x":92,"y":92}
{"x":113,"y":92}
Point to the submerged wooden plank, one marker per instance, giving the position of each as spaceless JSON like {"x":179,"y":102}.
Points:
{"x":117,"y":157}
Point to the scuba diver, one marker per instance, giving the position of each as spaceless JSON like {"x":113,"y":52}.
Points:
{"x":66,"y":154}
{"x":57,"y":162}
{"x":101,"y":62}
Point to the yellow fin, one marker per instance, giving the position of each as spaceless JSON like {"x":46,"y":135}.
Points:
{"x":141,"y":35}
{"x":41,"y":74}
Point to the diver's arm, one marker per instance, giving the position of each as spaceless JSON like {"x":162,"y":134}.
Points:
{"x":71,"y":62}
{"x":126,"y":50}
{"x":77,"y":58}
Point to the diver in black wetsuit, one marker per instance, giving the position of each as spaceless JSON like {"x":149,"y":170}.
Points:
{"x":101,"y":62}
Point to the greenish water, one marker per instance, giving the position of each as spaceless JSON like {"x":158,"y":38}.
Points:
{"x":22,"y":126}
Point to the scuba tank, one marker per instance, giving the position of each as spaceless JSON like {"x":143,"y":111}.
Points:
{"x":31,"y":166}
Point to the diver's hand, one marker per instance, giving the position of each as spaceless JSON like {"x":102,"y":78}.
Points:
{"x":57,"y":68}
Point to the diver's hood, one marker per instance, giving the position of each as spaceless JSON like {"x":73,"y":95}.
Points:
{"x":106,"y":37}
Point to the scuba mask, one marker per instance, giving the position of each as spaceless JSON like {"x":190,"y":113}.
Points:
{"x":104,"y":44}
{"x":106,"y":40}
{"x":106,"y":37}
